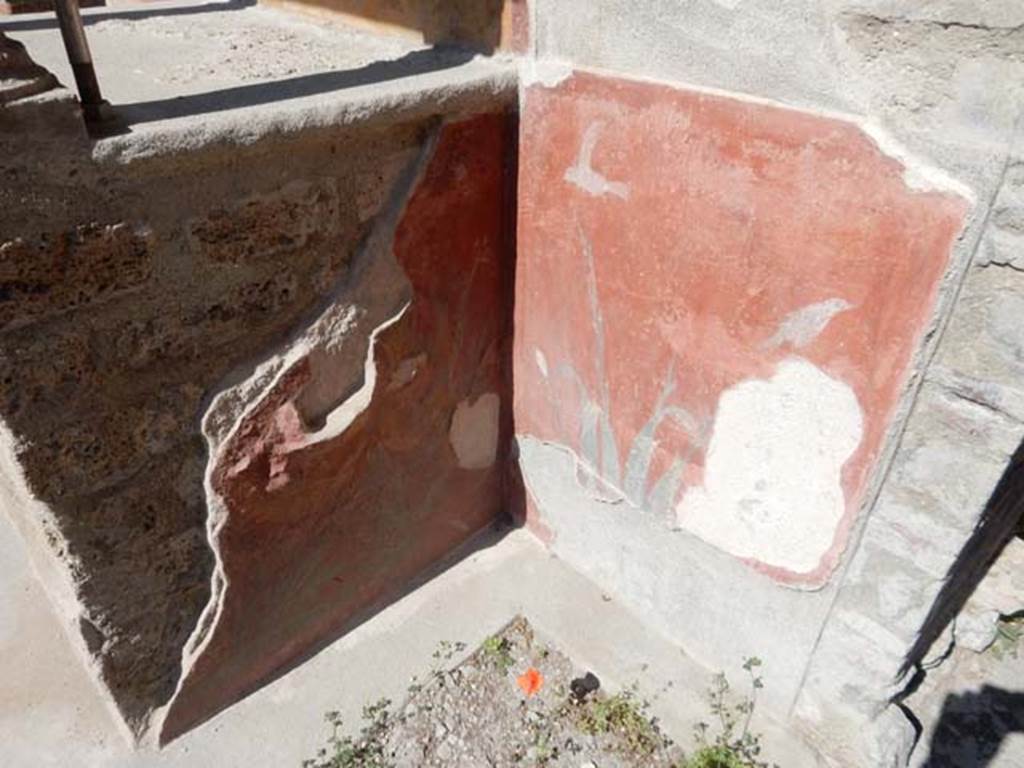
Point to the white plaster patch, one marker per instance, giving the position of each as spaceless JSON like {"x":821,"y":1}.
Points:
{"x":542,"y":362}
{"x":803,"y":326}
{"x":586,"y":178}
{"x":474,"y":431}
{"x":545,"y":72}
{"x":772,"y":481}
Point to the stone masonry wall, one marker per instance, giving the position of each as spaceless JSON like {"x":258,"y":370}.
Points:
{"x":937,"y":86}
{"x":965,"y":427}
{"x":135,"y":297}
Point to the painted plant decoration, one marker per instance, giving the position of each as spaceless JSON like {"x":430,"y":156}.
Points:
{"x":717,"y":303}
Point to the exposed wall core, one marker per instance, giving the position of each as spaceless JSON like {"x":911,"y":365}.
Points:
{"x":127,"y":293}
{"x":772,"y":489}
{"x":207,"y":355}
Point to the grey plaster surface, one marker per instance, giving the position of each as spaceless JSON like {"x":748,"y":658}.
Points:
{"x":51,"y":714}
{"x":720,"y":610}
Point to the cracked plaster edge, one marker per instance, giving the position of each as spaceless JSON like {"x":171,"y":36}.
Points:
{"x":252,"y":390}
{"x":546,"y":72}
{"x":616,"y":495}
{"x":920,"y":174}
{"x":33,"y":523}
{"x":346,"y":412}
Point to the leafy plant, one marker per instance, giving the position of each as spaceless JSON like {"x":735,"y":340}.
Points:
{"x":734,"y":745}
{"x":715,"y":757}
{"x":624,"y":715}
{"x":368,"y":750}
{"x":1009,"y":634}
{"x":498,"y":652}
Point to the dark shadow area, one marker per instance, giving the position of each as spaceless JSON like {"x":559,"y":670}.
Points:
{"x":128,"y":14}
{"x":973,"y":726}
{"x":476,"y":23}
{"x":255,"y":94}
{"x":514,"y":484}
{"x":999,"y":523}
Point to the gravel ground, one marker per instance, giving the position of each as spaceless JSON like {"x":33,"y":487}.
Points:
{"x":516,"y":701}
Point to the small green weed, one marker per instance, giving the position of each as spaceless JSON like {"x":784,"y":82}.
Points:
{"x":498,"y":652}
{"x":622,"y":714}
{"x":735,"y":745}
{"x":447,"y":649}
{"x":366,"y":751}
{"x":1009,"y":634}
{"x":715,"y":757}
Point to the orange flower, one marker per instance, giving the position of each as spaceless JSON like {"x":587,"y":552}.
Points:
{"x":530,"y":681}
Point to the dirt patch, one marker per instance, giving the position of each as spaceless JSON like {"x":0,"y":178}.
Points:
{"x":516,"y":701}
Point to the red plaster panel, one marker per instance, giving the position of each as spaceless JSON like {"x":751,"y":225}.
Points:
{"x":318,"y":534}
{"x":658,"y":271}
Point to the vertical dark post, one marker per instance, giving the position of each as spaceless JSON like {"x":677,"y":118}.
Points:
{"x":71,"y":29}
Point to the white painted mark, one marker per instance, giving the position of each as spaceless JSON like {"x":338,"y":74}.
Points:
{"x":474,"y":431}
{"x":772,"y":482}
{"x":542,"y":362}
{"x":586,"y":178}
{"x":803,"y":326}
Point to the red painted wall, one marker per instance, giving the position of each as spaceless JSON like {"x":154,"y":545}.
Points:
{"x":668,"y":241}
{"x":318,"y":534}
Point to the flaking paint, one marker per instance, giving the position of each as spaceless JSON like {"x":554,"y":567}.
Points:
{"x":751,"y":233}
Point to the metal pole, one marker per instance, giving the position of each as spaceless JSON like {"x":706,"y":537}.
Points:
{"x":71,"y":29}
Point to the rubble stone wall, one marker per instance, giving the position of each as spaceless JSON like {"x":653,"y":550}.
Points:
{"x":247,"y":389}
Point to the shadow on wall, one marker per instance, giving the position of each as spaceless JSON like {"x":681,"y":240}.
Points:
{"x":998,"y":524}
{"x":129,"y":14}
{"x":476,"y":23}
{"x":973,"y":726}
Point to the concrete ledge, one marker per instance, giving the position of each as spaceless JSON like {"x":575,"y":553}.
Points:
{"x":52,"y":714}
{"x":248,"y":73}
